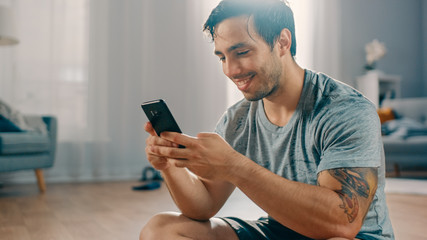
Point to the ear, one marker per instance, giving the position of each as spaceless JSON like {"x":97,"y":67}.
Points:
{"x":284,"y":41}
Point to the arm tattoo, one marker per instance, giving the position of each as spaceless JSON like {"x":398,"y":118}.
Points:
{"x":354,"y":184}
{"x":346,"y":178}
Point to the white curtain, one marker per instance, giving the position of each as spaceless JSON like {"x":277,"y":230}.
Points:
{"x":92,"y":63}
{"x":318,"y":25}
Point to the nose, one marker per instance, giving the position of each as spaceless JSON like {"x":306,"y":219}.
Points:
{"x":231,"y":68}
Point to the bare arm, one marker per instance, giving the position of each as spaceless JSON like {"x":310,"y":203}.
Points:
{"x":196,"y":198}
{"x":334,"y":208}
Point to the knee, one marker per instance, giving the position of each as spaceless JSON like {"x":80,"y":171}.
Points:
{"x":159,"y":226}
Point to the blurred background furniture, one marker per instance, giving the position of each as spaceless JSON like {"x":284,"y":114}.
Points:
{"x":27,"y":150}
{"x":405,"y":138}
{"x":376,"y":86}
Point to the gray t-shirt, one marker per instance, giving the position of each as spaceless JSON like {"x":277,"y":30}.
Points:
{"x":333,"y":126}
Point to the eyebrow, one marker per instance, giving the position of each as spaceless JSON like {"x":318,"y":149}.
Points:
{"x":234,"y":47}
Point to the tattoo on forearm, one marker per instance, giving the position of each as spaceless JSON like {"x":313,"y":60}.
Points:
{"x":354,"y":184}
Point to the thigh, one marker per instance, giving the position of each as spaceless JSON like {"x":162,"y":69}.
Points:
{"x":262,"y":229}
{"x":177,"y":226}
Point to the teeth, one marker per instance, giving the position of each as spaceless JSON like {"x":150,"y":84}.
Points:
{"x":240,"y":83}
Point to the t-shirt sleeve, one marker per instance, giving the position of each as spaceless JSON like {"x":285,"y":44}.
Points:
{"x":350,"y":137}
{"x":221,"y":125}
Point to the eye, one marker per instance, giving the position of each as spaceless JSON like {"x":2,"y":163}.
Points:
{"x":221,"y":59}
{"x":242,"y":53}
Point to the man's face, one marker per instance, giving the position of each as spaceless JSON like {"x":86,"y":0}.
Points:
{"x":247,"y":59}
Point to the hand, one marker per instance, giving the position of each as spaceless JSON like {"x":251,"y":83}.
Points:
{"x":158,"y":162}
{"x":208,"y":155}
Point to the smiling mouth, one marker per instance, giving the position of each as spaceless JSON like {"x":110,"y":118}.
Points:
{"x":243,"y":82}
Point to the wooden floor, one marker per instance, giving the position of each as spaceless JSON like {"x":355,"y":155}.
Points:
{"x":113,"y":211}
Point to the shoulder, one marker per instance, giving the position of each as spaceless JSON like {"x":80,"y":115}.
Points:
{"x":333,"y":98}
{"x":335,"y":107}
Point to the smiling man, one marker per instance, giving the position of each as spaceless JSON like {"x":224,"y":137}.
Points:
{"x":304,"y":147}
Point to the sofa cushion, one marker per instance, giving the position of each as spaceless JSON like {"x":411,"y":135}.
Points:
{"x":414,"y":108}
{"x":13,"y":115}
{"x":36,"y":124}
{"x":22,"y":122}
{"x":411,"y":146}
{"x":404,"y":128}
{"x":23,"y":142}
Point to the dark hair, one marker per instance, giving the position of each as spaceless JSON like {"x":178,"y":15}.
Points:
{"x":270,"y":18}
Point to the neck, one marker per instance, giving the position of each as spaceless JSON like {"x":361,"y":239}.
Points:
{"x":282,"y":104}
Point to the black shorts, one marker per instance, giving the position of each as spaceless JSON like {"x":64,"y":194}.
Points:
{"x":263,"y":228}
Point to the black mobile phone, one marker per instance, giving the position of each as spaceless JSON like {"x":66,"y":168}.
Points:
{"x":160,"y":116}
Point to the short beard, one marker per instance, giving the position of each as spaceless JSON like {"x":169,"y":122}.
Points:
{"x":273,"y":77}
{"x":263,"y":94}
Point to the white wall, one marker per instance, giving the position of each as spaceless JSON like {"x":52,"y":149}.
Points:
{"x":396,"y":23}
{"x":424,"y":42}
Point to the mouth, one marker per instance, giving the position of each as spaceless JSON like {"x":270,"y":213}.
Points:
{"x":244,"y":82}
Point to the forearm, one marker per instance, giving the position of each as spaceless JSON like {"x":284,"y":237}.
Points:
{"x":196,"y":198}
{"x":310,"y":210}
{"x":187,"y":191}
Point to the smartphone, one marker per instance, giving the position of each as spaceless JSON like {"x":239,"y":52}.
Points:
{"x":160,"y":116}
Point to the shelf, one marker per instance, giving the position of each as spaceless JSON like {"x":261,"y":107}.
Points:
{"x":376,"y":86}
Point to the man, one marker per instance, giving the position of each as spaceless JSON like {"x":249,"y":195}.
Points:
{"x":304,"y":147}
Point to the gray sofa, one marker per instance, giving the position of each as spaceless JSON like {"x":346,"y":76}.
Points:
{"x":406,"y":148}
{"x":28,"y":150}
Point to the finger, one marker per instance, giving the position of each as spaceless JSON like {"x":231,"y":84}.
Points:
{"x":180,"y":163}
{"x":150,"y":154}
{"x":154,"y":160}
{"x":169,"y":152}
{"x":179,"y":138}
{"x":154,"y":140}
{"x":158,"y":163}
{"x":153,"y":157}
{"x":149,"y":128}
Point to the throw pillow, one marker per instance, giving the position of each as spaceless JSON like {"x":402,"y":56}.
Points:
{"x":13,"y":116}
{"x":8,"y":126}
{"x":36,"y":124}
{"x":13,"y":120}
{"x":385,"y":114}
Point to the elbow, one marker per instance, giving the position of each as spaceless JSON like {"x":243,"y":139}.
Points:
{"x":347,"y":231}
{"x":199,"y":212}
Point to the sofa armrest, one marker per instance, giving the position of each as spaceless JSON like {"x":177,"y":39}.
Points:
{"x":51,"y":123}
{"x":52,"y":128}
